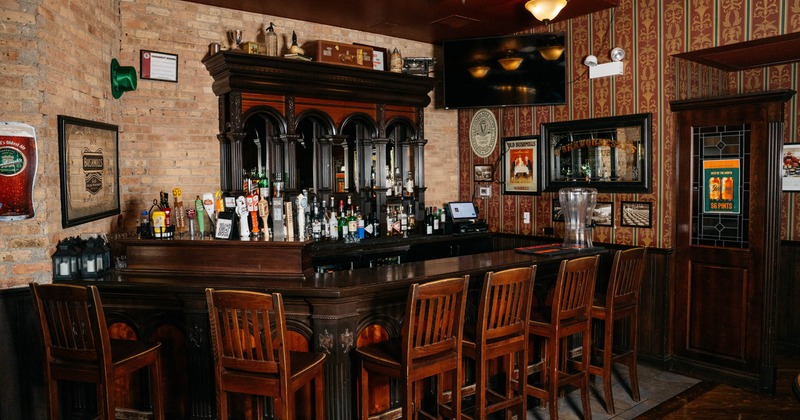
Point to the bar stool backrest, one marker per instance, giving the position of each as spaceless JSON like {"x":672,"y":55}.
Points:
{"x":70,"y":318}
{"x":504,"y":308}
{"x":574,"y":291}
{"x":248,"y":332}
{"x":626,"y":278}
{"x":434,"y":321}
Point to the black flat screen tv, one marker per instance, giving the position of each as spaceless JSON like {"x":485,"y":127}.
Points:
{"x":515,"y":70}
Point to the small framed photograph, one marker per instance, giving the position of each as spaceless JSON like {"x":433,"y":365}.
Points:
{"x":558,"y":215}
{"x":89,"y":170}
{"x":636,"y":214}
{"x":521,"y":156}
{"x":603,"y":214}
{"x":483,"y":173}
{"x":790,"y":167}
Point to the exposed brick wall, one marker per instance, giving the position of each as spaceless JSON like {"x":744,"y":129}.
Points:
{"x":55,"y":59}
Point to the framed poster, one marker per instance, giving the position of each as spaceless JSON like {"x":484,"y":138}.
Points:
{"x":790,"y":162}
{"x":721,"y":184}
{"x":89,"y":170}
{"x":521,"y":165}
{"x":603,"y":214}
{"x":636,"y":214}
{"x":609,"y":154}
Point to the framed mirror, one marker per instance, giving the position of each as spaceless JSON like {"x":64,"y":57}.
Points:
{"x":610,"y":154}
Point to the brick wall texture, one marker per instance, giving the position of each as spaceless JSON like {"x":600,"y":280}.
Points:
{"x":55,"y":60}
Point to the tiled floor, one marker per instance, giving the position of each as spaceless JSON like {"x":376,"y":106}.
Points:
{"x":655,"y":387}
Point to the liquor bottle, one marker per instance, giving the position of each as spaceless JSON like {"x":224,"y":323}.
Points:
{"x":333,"y":227}
{"x":324,"y":220}
{"x":403,"y":222}
{"x":389,"y":221}
{"x":442,"y":219}
{"x":409,"y":185}
{"x":435,"y":217}
{"x":389,"y":182}
{"x":412,"y":218}
{"x":343,"y":227}
{"x":428,"y":221}
{"x":145,"y":226}
{"x":263,"y":185}
{"x":352,"y":223}
{"x":372,"y":179}
{"x":316,"y":223}
{"x":376,"y":226}
{"x":360,"y":224}
{"x":398,"y":183}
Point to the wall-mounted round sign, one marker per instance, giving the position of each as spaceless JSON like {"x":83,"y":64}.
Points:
{"x":483,"y":133}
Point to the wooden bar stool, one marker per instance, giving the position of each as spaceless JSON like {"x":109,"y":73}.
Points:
{"x":502,"y":332}
{"x":621,"y":301}
{"x":569,"y":315}
{"x":429,"y":346}
{"x":248,"y":336}
{"x":77,"y":347}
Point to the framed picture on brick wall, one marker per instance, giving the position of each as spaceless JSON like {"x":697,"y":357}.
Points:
{"x":89,"y":170}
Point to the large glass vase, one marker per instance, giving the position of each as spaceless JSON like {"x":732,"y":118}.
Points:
{"x":577,"y":205}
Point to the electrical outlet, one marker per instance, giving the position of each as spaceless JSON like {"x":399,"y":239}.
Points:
{"x":526,"y":217}
{"x":485,"y":191}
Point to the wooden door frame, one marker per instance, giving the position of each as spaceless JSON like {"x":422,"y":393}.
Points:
{"x":764,"y":111}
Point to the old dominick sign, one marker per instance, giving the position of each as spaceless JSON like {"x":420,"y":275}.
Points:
{"x":93,"y":170}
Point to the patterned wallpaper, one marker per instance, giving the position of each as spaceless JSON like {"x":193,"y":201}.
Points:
{"x":650,"y":31}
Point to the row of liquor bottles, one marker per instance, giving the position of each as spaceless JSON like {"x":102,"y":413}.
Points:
{"x":312,"y":220}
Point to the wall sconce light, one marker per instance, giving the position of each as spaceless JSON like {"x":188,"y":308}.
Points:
{"x":478,"y":72}
{"x":613,"y":68}
{"x":545,"y":10}
{"x":510,"y":62}
{"x":551,"y":52}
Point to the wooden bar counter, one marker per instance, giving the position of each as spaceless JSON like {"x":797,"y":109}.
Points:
{"x":160,"y":296}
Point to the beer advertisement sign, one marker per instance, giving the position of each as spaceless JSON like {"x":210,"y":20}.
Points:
{"x":18,"y":162}
{"x":721,"y":180}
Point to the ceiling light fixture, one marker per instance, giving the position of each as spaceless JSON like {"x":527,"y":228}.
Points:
{"x":545,"y":10}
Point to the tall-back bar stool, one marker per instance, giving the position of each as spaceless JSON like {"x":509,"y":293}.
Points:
{"x":248,"y":336}
{"x":429,"y":346}
{"x":502,"y":332}
{"x":569,"y":316}
{"x":77,"y":348}
{"x":621,"y":301}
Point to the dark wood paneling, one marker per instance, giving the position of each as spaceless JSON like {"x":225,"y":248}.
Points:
{"x":788,"y":295}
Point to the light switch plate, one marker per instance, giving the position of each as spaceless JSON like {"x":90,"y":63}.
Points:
{"x":526,"y":217}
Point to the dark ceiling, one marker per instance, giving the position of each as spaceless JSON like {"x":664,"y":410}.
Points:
{"x":430,"y":21}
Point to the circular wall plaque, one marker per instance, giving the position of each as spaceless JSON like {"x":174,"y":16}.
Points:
{"x":483,"y":133}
